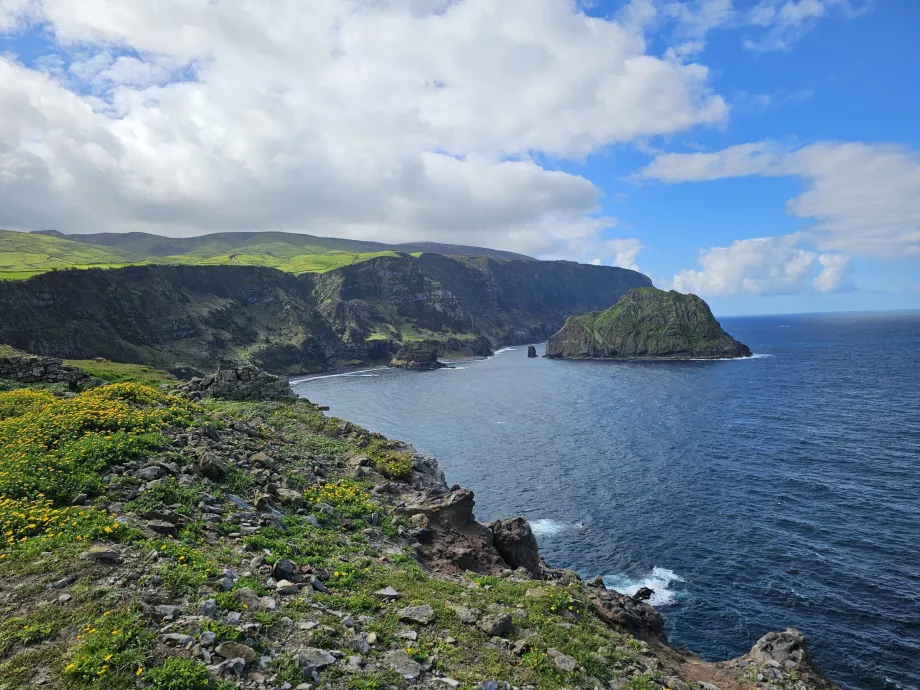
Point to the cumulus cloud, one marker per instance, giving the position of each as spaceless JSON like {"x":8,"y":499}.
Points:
{"x":390,"y":120}
{"x":862,"y":198}
{"x":621,"y":252}
{"x":764,"y":266}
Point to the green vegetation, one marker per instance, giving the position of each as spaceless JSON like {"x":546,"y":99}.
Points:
{"x":23,"y":255}
{"x":112,"y":372}
{"x":99,"y":629}
{"x":179,"y":674}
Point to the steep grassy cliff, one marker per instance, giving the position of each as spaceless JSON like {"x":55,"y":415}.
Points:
{"x":201,"y":316}
{"x":647,"y":324}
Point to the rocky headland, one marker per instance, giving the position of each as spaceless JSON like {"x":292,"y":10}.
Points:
{"x":217,"y":540}
{"x":647,"y":324}
{"x":185,"y":318}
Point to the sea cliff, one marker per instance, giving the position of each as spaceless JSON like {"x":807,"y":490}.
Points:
{"x":194,"y":318}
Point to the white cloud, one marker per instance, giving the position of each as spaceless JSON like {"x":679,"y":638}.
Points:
{"x":834,"y":273}
{"x":862,"y":198}
{"x":395,"y":120}
{"x":763,"y":266}
{"x":621,"y":252}
{"x":768,"y":25}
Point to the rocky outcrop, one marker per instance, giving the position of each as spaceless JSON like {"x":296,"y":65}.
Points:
{"x":781,"y":659}
{"x":33,"y":369}
{"x":422,"y":357}
{"x":516,"y":544}
{"x":240,"y":383}
{"x":647,"y":324}
{"x":531,"y":351}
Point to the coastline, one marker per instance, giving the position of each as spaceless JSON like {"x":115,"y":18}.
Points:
{"x":777,"y":661}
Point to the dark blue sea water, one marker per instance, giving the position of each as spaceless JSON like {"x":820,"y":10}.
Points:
{"x":752,"y":495}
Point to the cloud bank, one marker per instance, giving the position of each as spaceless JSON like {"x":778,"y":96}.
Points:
{"x":390,"y":120}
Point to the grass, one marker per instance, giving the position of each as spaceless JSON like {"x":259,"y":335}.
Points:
{"x":52,"y":448}
{"x":112,"y":372}
{"x":23,"y":255}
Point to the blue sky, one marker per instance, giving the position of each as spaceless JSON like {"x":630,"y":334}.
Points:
{"x":762,"y":153}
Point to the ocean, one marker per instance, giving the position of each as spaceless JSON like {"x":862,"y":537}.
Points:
{"x":751,"y":495}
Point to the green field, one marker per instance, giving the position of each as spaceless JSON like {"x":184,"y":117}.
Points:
{"x":23,"y":255}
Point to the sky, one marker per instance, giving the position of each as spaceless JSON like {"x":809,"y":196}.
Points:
{"x":764,"y":154}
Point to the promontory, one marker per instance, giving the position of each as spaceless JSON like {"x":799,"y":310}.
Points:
{"x":647,"y":323}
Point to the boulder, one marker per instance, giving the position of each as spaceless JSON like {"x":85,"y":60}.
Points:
{"x":423,"y":614}
{"x":531,"y":351}
{"x":420,"y":356}
{"x":240,"y":383}
{"x":516,"y":544}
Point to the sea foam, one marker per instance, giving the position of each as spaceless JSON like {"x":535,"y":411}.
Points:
{"x":659,"y":581}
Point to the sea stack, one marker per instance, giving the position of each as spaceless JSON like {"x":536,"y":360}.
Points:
{"x":419,"y":356}
{"x":531,"y":351}
{"x":647,"y":324}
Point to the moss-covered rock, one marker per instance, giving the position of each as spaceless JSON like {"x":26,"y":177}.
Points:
{"x":647,"y":323}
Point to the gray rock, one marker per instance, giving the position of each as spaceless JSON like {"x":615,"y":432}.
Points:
{"x":233,"y":650}
{"x":403,"y":664}
{"x":165,"y":528}
{"x":286,"y":588}
{"x":516,"y":544}
{"x":207,"y":608}
{"x":495,"y":625}
{"x":423,"y":614}
{"x":312,"y":659}
{"x":102,"y":554}
{"x":150,"y":473}
{"x":283,"y":569}
{"x":464,"y":614}
{"x":387,"y":593}
{"x":167,"y":612}
{"x":212,"y":467}
{"x":179,"y":639}
{"x":562,"y":661}
{"x":207,"y":639}
{"x":231,"y":667}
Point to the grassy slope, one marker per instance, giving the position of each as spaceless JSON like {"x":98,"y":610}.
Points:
{"x":93,"y":632}
{"x":23,"y":255}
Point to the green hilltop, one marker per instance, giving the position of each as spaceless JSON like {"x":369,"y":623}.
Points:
{"x":23,"y":255}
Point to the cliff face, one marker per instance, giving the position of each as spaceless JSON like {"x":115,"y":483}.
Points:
{"x":169,"y":316}
{"x":509,"y":302}
{"x":202,"y":316}
{"x":647,"y":324}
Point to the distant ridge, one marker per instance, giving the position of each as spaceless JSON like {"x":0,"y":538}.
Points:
{"x":141,"y":245}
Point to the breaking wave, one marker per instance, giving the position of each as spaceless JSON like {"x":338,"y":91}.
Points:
{"x":659,"y":581}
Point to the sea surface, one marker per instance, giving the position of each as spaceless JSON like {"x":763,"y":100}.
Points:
{"x":751,"y":495}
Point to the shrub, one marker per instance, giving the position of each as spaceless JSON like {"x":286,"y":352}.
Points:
{"x":347,"y":497}
{"x":179,"y":674}
{"x":111,"y":649}
{"x":395,"y":466}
